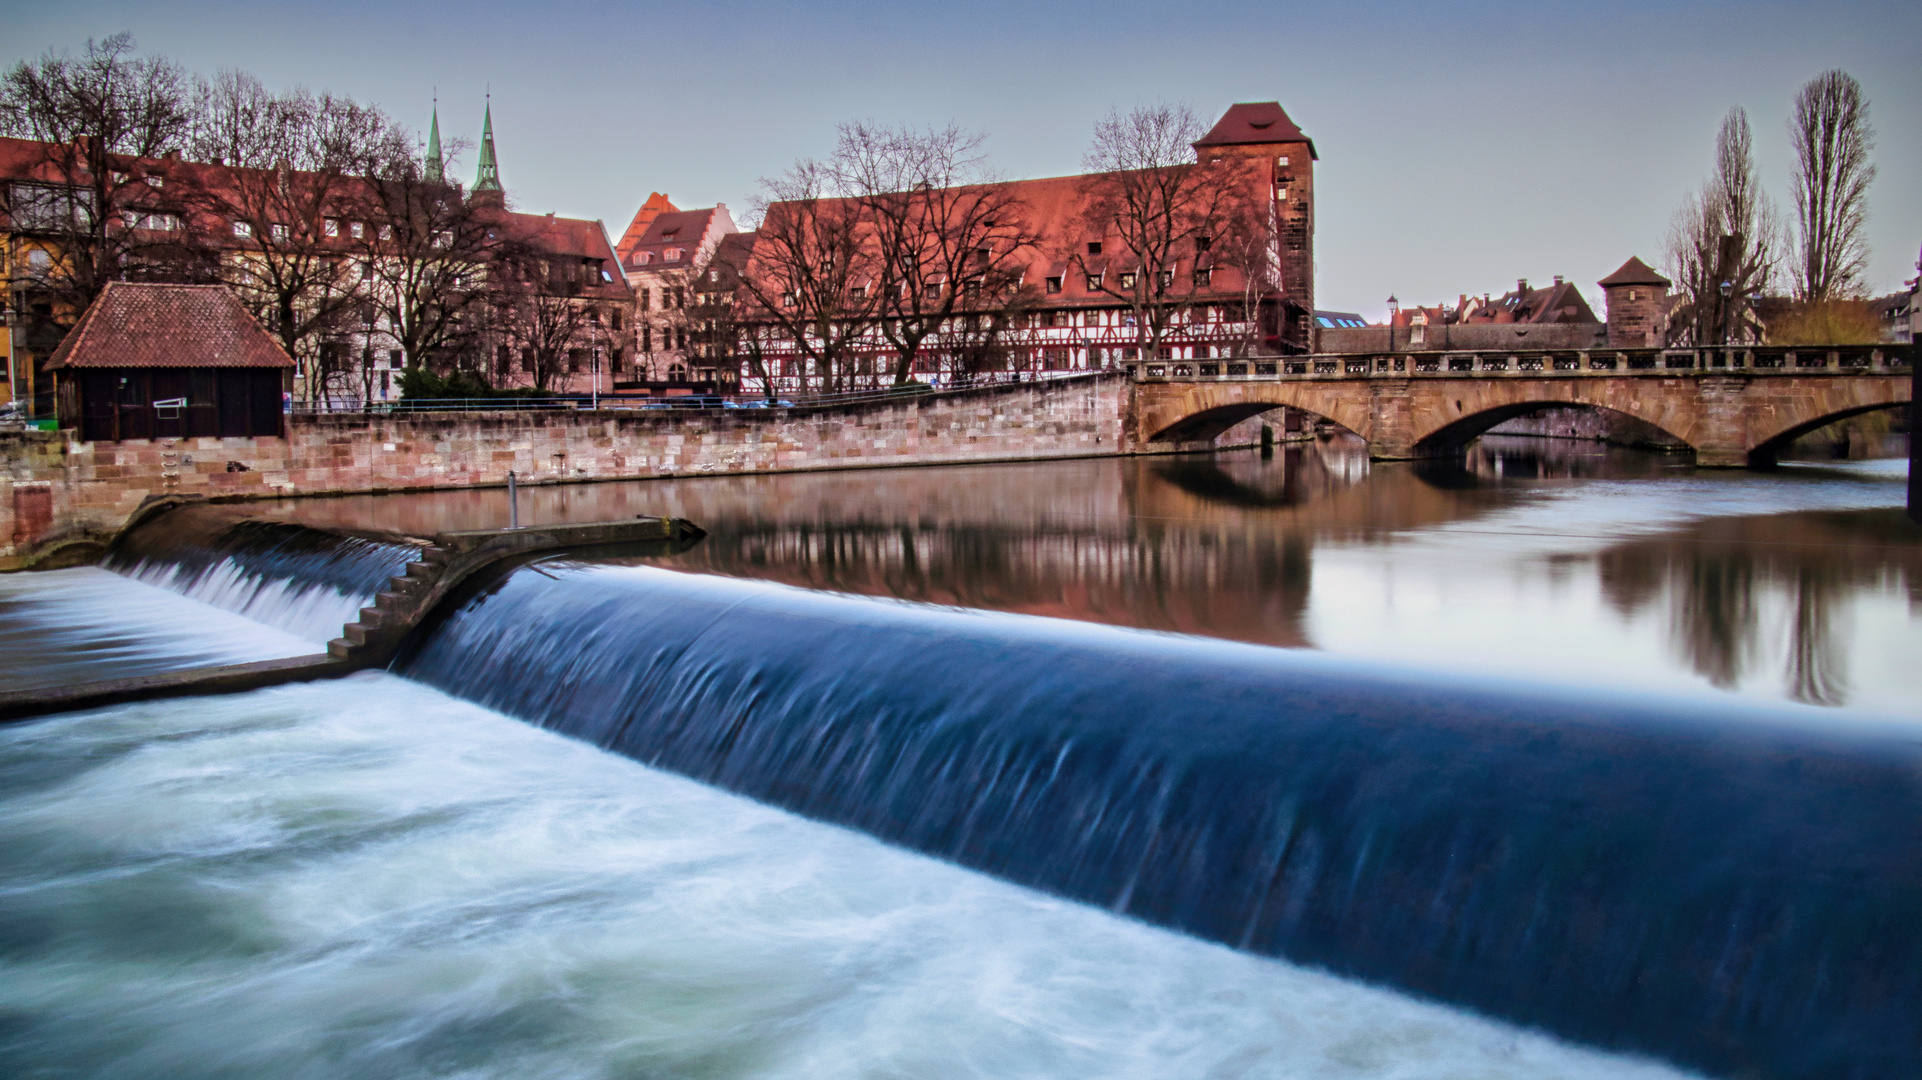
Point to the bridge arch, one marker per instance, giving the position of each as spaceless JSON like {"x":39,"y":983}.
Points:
{"x":1195,"y":413}
{"x":1766,"y":452}
{"x":1452,"y":438}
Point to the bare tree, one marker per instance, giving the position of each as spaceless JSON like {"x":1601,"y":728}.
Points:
{"x":812,"y":278}
{"x":1728,"y":232}
{"x":543,"y":329}
{"x":946,"y":238}
{"x":93,"y":116}
{"x":1148,"y":205}
{"x":425,"y":255}
{"x":1830,"y":129}
{"x":289,"y":197}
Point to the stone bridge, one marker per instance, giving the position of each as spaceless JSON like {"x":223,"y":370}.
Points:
{"x":1734,"y":406}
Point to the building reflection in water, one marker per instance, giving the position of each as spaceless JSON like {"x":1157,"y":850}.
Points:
{"x":1232,"y":545}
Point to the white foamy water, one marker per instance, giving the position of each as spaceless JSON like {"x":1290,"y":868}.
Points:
{"x":368,"y":878}
{"x":313,"y":611}
{"x":87,"y":624}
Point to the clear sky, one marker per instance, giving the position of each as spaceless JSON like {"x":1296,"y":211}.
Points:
{"x":1462,"y":146}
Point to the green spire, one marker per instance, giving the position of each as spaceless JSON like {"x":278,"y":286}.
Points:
{"x":490,"y":173}
{"x":433,"y":163}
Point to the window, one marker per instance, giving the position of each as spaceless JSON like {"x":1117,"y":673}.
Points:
{"x":43,"y":206}
{"x":1167,"y":278}
{"x":1202,"y":277}
{"x":243,"y":230}
{"x":154,"y":222}
{"x":981,"y":256}
{"x":647,"y":338}
{"x":1054,"y":284}
{"x":1128,"y":280}
{"x":670,"y":234}
{"x":1203,"y":243}
{"x":643,"y":258}
{"x":1128,"y":352}
{"x":1633,"y":295}
{"x":1094,"y":247}
{"x":1201,"y":352}
{"x":1048,"y":318}
{"x":647,"y":299}
{"x":154,"y":181}
{"x":1094,"y":282}
{"x":357,"y":230}
{"x":1282,"y":160}
{"x":330,"y":228}
{"x":858,"y":292}
{"x":672,"y":255}
{"x":1091,"y":318}
{"x":615,"y":315}
{"x":387,"y":233}
{"x":932,"y":290}
{"x":787,"y":299}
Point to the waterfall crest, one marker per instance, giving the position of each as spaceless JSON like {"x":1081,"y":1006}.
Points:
{"x":1730,"y":888}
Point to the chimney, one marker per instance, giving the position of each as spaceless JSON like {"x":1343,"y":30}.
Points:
{"x":1521,"y":286}
{"x":1558,"y":279}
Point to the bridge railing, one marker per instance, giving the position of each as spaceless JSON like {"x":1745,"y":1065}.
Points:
{"x":1744,"y":359}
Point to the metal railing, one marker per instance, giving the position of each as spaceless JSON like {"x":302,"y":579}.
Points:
{"x":338,"y":406}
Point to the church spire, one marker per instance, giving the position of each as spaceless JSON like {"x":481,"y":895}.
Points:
{"x":432,"y":166}
{"x":489,"y":178}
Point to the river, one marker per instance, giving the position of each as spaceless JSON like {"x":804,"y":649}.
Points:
{"x":393,"y":875}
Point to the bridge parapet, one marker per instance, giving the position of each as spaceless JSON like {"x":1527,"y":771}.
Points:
{"x":1510,"y":363}
{"x":1735,"y":406}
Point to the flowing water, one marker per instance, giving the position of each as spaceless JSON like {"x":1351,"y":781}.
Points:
{"x":1566,"y":747}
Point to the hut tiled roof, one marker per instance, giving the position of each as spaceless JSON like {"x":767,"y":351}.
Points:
{"x":140,"y":325}
{"x":1634,"y":272}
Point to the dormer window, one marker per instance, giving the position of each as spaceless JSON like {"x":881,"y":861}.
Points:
{"x":673,"y":255}
{"x":670,"y":234}
{"x":1054,"y":284}
{"x":1094,"y":282}
{"x":243,"y":230}
{"x":1128,"y":280}
{"x":643,"y":258}
{"x":330,"y":228}
{"x":279,"y":232}
{"x":358,"y":230}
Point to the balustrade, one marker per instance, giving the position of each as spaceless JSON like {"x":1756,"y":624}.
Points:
{"x":1582,"y":363}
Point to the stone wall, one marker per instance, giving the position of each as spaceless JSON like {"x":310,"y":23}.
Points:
{"x":54,"y":492}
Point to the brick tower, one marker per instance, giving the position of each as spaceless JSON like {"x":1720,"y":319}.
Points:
{"x":1636,"y":299}
{"x":1283,"y":162}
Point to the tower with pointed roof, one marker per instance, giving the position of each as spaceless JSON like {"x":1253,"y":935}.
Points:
{"x":487,"y":181}
{"x":1637,"y":305}
{"x":1281,"y":160}
{"x":432,"y":168}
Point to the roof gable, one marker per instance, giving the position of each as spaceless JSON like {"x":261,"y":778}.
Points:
{"x":1634,"y":272}
{"x":1255,"y":123}
{"x":140,"y":325}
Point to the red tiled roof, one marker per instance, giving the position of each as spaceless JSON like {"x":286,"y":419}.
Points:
{"x":138,"y":325}
{"x":571,"y":236}
{"x":1053,"y":209}
{"x":1634,"y":272}
{"x":656,"y":205}
{"x":1255,"y":123}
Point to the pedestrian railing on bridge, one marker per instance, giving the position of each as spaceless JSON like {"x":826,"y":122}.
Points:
{"x":1756,"y":359}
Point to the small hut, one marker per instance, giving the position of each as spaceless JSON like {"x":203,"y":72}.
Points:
{"x":150,"y":361}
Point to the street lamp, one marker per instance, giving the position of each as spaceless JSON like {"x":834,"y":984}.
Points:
{"x":1728,"y":290}
{"x":1394,"y":309}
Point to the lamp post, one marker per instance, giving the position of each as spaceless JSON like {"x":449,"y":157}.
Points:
{"x":1394,"y":309}
{"x":1728,"y":291}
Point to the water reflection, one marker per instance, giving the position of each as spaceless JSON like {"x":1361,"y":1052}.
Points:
{"x":1540,"y":556}
{"x":1733,"y":588}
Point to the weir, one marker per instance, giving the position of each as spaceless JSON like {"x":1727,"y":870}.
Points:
{"x":1733,"y":889}
{"x":356,"y":594}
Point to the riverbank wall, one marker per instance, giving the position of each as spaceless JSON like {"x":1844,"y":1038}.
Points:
{"x":60,"y":499}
